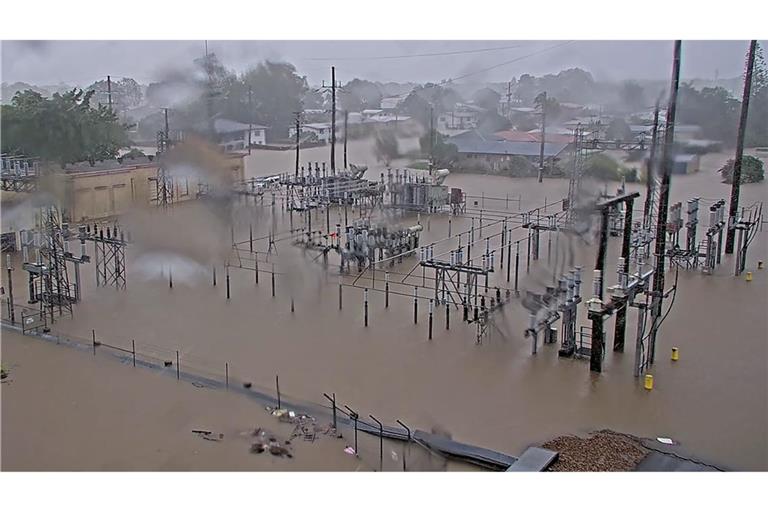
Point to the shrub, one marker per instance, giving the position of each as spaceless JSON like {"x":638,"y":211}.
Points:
{"x":751,"y":170}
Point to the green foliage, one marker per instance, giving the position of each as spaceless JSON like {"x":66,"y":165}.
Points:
{"x":619,"y":130}
{"x":712,"y":108}
{"x":64,"y":128}
{"x":277,"y":92}
{"x":757,"y":122}
{"x":487,"y":99}
{"x":360,"y":95}
{"x":751,"y":170}
{"x":445,"y":153}
{"x":417,"y":104}
{"x":552,"y":106}
{"x":602,"y":167}
{"x":491,"y":122}
{"x":632,"y":96}
{"x":134,"y":153}
{"x":385,"y":146}
{"x":126,"y":93}
{"x":518,"y":166}
{"x":570,"y":85}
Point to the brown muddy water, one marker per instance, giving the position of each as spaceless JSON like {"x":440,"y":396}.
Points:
{"x":713,"y":401}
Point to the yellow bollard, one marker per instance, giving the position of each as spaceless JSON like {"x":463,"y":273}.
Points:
{"x":648,"y":381}
{"x":749,"y":276}
{"x":760,"y":265}
{"x":675,"y":354}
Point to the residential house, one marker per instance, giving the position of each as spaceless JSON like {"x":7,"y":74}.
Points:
{"x":321,"y":130}
{"x":495,"y":149}
{"x":392,"y":103}
{"x":463,"y":117}
{"x":233,"y":135}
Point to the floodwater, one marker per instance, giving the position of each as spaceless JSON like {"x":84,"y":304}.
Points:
{"x":101,"y":415}
{"x":713,"y":401}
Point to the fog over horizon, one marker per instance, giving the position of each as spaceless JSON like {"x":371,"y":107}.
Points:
{"x":81,"y":63}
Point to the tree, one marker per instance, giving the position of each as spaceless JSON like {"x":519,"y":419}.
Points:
{"x":360,"y":95}
{"x":757,"y":126}
{"x":751,"y":170}
{"x":385,"y":146}
{"x":445,"y":153}
{"x":711,"y":108}
{"x":491,"y":122}
{"x":417,"y":104}
{"x":126,"y":93}
{"x":632,"y":96}
{"x":64,"y":128}
{"x":277,"y":93}
{"x":602,"y":167}
{"x":487,"y":98}
{"x":619,"y":130}
{"x":526,"y":89}
{"x":551,"y":106}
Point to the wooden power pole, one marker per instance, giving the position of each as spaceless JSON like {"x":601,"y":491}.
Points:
{"x":661,"y":220}
{"x":346,"y":121}
{"x":543,"y":136}
{"x":734,"y":209}
{"x":109,"y":91}
{"x":250,"y":117}
{"x":333,"y":118}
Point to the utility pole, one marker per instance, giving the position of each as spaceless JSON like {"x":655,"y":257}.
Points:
{"x":346,"y":120}
{"x":509,"y":98}
{"x":543,"y":97}
{"x":740,"y":150}
{"x":333,"y":118}
{"x":431,"y":138}
{"x":649,"y":178}
{"x":661,"y":223}
{"x":209,"y":92}
{"x":109,"y":91}
{"x":250,"y":116}
{"x":298,"y":141}
{"x":165,"y":113}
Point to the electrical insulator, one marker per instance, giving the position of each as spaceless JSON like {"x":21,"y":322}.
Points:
{"x":596,"y":282}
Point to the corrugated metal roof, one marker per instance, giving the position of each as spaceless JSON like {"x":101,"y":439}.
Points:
{"x":229,"y":126}
{"x":473,"y":142}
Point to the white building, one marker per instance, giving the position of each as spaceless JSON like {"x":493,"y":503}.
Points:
{"x":233,"y":135}
{"x":322,"y":130}
{"x":392,"y":102}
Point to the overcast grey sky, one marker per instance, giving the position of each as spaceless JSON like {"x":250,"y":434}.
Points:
{"x":82,"y":62}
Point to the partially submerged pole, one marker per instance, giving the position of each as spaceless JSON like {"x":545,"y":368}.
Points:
{"x":661,"y":224}
{"x":734,"y":207}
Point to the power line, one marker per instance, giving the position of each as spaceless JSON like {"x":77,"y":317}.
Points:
{"x":415,"y":55}
{"x":510,"y":61}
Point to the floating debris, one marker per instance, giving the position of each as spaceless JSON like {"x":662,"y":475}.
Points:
{"x":267,"y":441}
{"x":208,"y":435}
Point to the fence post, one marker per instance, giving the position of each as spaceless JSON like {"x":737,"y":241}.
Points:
{"x":133,"y":350}
{"x":277,"y":385}
{"x":226,"y":375}
{"x":353,"y":416}
{"x":381,"y":442}
{"x":93,"y":338}
{"x":178,"y":375}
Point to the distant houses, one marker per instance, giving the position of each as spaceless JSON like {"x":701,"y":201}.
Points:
{"x":495,"y":149}
{"x":321,"y":131}
{"x":233,"y":135}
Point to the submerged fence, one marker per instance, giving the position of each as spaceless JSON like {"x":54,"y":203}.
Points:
{"x":354,"y":426}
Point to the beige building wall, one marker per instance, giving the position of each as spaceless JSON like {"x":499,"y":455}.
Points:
{"x":94,"y":195}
